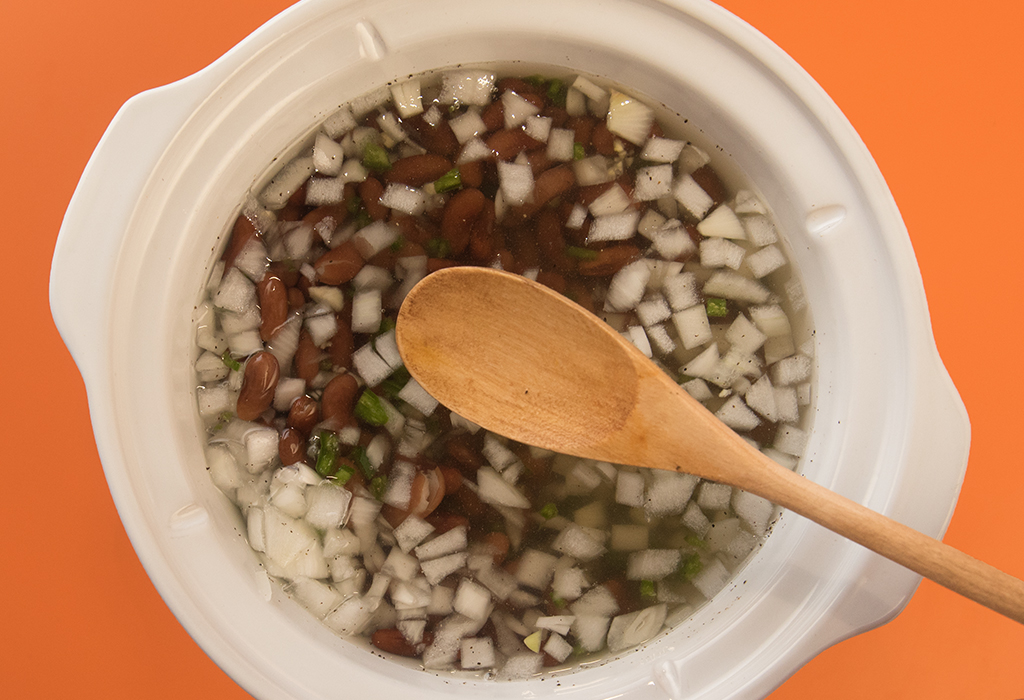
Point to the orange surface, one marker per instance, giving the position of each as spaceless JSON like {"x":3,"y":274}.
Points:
{"x":934,"y":89}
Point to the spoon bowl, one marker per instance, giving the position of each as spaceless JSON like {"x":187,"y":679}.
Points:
{"x":527,"y":363}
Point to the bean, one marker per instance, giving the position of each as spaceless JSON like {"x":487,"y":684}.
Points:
{"x":303,"y":415}
{"x":552,"y":280}
{"x":498,"y":544}
{"x":459,"y":214}
{"x":370,"y":191}
{"x":243,"y":231}
{"x":273,"y":297}
{"x":418,"y":170}
{"x":603,"y":140}
{"x":436,"y":139}
{"x":291,"y":448}
{"x":452,"y":479}
{"x":339,"y":265}
{"x":337,"y":212}
{"x":548,"y":185}
{"x":481,"y":238}
{"x":339,"y":399}
{"x":259,"y":380}
{"x":342,"y":343}
{"x":394,"y":642}
{"x":443,"y":522}
{"x":552,"y":243}
{"x":493,"y":116}
{"x":709,"y":181}
{"x":307,"y":358}
{"x":296,"y":299}
{"x":609,"y":261}
{"x":472,"y":173}
{"x":508,"y":143}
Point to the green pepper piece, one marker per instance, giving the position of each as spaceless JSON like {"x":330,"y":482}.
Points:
{"x":578,"y":152}
{"x":369,"y":409}
{"x":230,"y":362}
{"x":375,"y":158}
{"x":327,"y":459}
{"x":717,"y":307}
{"x":451,"y":180}
{"x":580,"y":253}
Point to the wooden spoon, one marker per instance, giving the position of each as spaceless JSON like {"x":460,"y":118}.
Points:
{"x":527,"y":363}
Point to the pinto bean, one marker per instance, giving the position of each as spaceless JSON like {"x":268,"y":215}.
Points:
{"x":452,"y":479}
{"x":339,"y":265}
{"x":493,"y":116}
{"x":394,"y":642}
{"x":339,"y":399}
{"x":291,"y":448}
{"x":303,"y":415}
{"x":603,"y":140}
{"x":296,"y":299}
{"x":481,"y":238}
{"x":342,"y":344}
{"x":418,"y":170}
{"x":709,"y":181}
{"x":551,"y":183}
{"x":498,"y":544}
{"x":307,"y":358}
{"x":436,"y":139}
{"x":243,"y":231}
{"x":370,"y":191}
{"x":459,"y":214}
{"x":508,"y":143}
{"x":259,"y":381}
{"x":273,"y":297}
{"x":609,"y":261}
{"x":551,"y":242}
{"x":552,"y":280}
{"x":472,"y":173}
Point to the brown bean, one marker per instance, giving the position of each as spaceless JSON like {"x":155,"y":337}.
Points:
{"x":452,"y":479}
{"x":243,"y":231}
{"x":296,"y":299}
{"x":370,"y":191}
{"x":259,"y":381}
{"x":291,"y":448}
{"x":307,"y":358}
{"x":273,"y":297}
{"x":498,"y":544}
{"x":436,"y":139}
{"x":342,"y":344}
{"x":508,"y":143}
{"x":418,"y":170}
{"x":552,"y":280}
{"x":548,"y":185}
{"x":443,"y":522}
{"x":339,"y":399}
{"x":609,"y":261}
{"x":460,"y":212}
{"x":472,"y":173}
{"x":709,"y":181}
{"x":603,"y":140}
{"x":394,"y":642}
{"x":337,"y":212}
{"x":303,"y":415}
{"x":551,"y":242}
{"x":493,"y":116}
{"x":481,"y":239}
{"x":583,"y":127}
{"x":339,"y":265}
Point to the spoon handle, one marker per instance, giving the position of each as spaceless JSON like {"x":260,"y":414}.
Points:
{"x":920,"y":553}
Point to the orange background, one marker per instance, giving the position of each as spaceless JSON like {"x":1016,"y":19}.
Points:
{"x":935,"y":89}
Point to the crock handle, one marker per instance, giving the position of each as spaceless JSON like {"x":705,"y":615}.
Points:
{"x":101,"y":209}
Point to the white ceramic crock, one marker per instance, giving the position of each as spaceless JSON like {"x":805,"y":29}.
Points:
{"x":889,"y":431}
